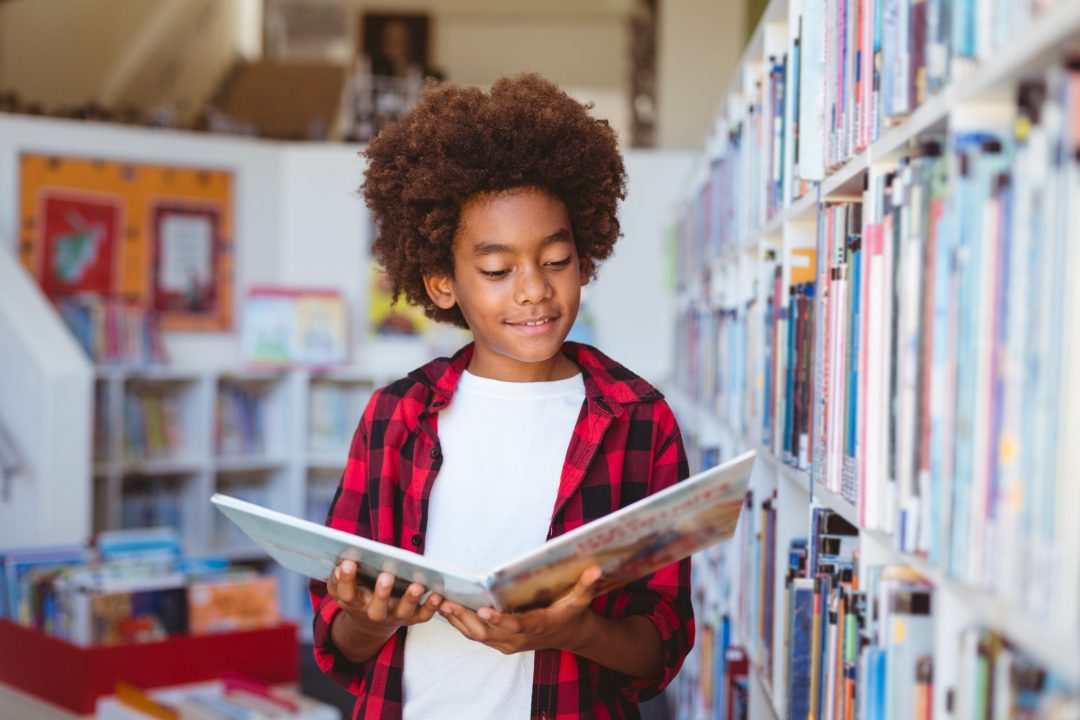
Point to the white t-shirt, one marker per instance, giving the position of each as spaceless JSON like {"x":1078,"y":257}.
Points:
{"x":504,"y":445}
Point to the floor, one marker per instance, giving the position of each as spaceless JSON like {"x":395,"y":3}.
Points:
{"x":317,"y":685}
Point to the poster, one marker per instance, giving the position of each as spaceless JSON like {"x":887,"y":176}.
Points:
{"x":185,"y":260}
{"x":79,"y":234}
{"x":284,"y":326}
{"x":385,"y":319}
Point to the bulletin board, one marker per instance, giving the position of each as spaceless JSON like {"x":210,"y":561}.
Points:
{"x":155,"y":235}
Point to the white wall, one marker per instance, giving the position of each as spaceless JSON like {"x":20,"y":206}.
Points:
{"x":300,"y":221}
{"x":633,"y":306}
{"x":699,"y":43}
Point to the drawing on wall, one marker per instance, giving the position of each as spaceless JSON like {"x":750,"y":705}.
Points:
{"x":79,"y":235}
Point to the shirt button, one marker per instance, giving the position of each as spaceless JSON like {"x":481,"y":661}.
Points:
{"x":416,"y":539}
{"x":436,"y":453}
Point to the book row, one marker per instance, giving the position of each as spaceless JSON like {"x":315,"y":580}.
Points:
{"x":855,"y":640}
{"x":240,"y":421}
{"x":152,"y":427}
{"x":821,"y":94}
{"x":112,"y":332}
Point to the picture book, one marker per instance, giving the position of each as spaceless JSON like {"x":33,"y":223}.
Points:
{"x":627,"y":544}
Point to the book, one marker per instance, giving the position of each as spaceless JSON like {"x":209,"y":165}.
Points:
{"x":627,"y":544}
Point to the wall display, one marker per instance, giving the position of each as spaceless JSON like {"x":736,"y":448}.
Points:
{"x":284,"y":326}
{"x":387,"y":319}
{"x":151,"y":235}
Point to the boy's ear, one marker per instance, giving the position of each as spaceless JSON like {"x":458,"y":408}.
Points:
{"x":441,"y":291}
{"x":585,"y":269}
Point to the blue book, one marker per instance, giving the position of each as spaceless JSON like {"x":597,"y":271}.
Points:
{"x":802,"y":615}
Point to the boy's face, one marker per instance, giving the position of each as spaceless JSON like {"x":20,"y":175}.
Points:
{"x":517,"y":281}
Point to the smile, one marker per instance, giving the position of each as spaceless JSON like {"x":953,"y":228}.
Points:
{"x":537,"y":325}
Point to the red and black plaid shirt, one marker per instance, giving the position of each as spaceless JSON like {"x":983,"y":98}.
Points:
{"x":626,"y":445}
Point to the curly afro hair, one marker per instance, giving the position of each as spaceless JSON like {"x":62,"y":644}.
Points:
{"x":459,"y":142}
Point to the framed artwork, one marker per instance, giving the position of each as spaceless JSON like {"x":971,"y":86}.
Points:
{"x":186,"y":258}
{"x":395,"y":42}
{"x":155,"y":236}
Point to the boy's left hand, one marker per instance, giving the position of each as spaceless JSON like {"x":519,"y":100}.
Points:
{"x":560,"y":625}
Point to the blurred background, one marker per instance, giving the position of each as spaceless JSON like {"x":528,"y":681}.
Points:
{"x":654,"y":69}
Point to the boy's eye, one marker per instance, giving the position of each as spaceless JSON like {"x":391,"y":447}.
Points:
{"x":495,"y":273}
{"x":560,"y":263}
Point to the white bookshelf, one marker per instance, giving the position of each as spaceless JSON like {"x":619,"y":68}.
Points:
{"x":982,"y":89}
{"x":287,"y":464}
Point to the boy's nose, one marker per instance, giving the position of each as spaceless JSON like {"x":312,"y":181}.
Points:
{"x":532,"y":287}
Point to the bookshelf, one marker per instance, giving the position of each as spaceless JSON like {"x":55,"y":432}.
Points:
{"x":852,"y":413}
{"x":165,"y":439}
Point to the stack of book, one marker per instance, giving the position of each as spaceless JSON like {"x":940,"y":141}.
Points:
{"x":134,"y":586}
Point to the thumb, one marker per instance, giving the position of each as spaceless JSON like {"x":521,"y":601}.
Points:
{"x":586,"y":584}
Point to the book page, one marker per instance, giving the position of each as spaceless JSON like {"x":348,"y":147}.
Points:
{"x":633,"y":541}
{"x":314,"y":550}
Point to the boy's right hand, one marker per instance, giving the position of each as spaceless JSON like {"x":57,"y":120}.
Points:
{"x":373,"y":612}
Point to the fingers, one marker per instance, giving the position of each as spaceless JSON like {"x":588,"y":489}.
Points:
{"x":428,"y":609}
{"x":407,"y":604}
{"x":584,"y":590}
{"x":503,"y":621}
{"x":378,"y":607}
{"x":466,"y":621}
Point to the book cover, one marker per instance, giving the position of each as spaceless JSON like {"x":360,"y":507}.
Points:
{"x":627,"y":544}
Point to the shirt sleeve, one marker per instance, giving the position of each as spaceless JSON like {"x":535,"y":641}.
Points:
{"x":349,"y":511}
{"x":664,"y":596}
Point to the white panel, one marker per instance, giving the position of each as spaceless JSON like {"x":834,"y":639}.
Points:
{"x":46,"y":386}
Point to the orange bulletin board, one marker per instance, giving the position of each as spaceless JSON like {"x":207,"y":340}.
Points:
{"x":154,"y":235}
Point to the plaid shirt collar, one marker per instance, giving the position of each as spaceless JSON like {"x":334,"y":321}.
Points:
{"x":608,"y":385}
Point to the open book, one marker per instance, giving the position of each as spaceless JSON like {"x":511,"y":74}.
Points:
{"x":627,"y":544}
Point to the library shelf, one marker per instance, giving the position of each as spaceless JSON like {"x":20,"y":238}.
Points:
{"x":267,"y":435}
{"x":724,"y":337}
{"x":837,"y":504}
{"x":1042,"y":640}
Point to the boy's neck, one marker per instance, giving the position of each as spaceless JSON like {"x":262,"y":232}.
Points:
{"x":499,"y":367}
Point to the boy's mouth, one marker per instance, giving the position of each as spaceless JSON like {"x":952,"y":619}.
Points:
{"x":535,"y":325}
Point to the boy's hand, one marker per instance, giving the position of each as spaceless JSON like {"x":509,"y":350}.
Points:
{"x":562,"y":625}
{"x":375,"y":612}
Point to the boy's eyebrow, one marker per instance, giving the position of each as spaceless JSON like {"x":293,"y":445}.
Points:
{"x":481,"y":249}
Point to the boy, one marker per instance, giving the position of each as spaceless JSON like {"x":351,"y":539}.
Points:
{"x":493,"y":210}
